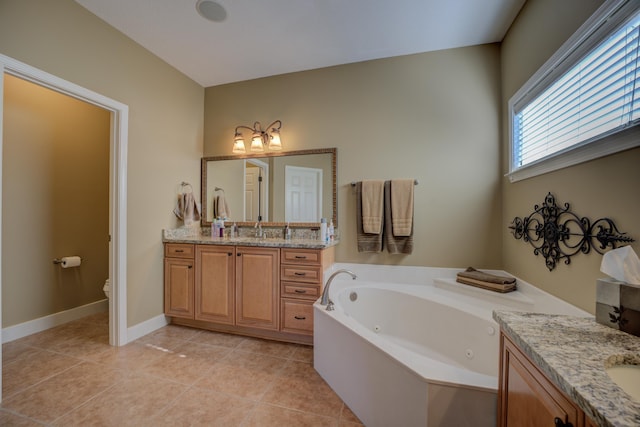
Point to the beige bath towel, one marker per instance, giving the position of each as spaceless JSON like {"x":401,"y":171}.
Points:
{"x":187,"y":208}
{"x":366,"y":242}
{"x":395,"y":244}
{"x":221,"y":208}
{"x":402,"y":206}
{"x":372,"y":205}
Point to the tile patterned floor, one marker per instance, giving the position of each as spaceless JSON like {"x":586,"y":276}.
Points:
{"x":176,"y":376}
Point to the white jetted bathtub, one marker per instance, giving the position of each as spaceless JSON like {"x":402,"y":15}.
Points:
{"x":409,"y":346}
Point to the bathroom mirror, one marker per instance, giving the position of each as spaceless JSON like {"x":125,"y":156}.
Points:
{"x":298,"y":187}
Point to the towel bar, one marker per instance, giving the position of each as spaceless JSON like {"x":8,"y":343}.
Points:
{"x":415,"y":182}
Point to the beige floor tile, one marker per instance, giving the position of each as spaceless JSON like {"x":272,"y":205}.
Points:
{"x":348,"y":418}
{"x":273,"y":416}
{"x":131,"y":356}
{"x":11,"y":420}
{"x":186,"y":363}
{"x":15,"y":350}
{"x":302,"y":389}
{"x":218,"y":338}
{"x":266,"y":347}
{"x":303,"y":353}
{"x":131,"y":402}
{"x":52,"y":398}
{"x":33,"y":368}
{"x":69,"y":376}
{"x":204,"y":408}
{"x":243,"y":374}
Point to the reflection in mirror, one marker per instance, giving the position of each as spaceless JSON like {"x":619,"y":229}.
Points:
{"x":298,"y":187}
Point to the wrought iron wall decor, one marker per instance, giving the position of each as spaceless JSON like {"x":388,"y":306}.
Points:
{"x":557,"y":233}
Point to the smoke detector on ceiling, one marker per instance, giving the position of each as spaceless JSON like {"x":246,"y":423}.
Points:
{"x":211,"y":10}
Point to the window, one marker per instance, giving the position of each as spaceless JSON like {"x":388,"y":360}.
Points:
{"x":584,"y":102}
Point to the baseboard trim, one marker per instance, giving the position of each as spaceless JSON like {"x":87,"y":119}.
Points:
{"x":146,"y":327}
{"x":27,"y":328}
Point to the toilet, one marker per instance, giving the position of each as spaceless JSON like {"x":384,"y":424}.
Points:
{"x":107,"y":288}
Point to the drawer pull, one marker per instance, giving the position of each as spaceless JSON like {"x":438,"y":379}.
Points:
{"x":301,"y":257}
{"x":299,"y":317}
{"x":300,"y":291}
{"x":179,"y":251}
{"x":299,"y":274}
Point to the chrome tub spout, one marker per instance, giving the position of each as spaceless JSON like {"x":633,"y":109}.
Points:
{"x":325,"y":293}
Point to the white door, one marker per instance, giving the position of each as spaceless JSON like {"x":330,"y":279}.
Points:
{"x":251,"y":192}
{"x":303,"y":194}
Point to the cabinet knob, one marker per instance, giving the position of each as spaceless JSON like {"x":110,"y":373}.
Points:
{"x":190,"y":266}
{"x":559,"y":423}
{"x":238,"y":254}
{"x":229,"y":253}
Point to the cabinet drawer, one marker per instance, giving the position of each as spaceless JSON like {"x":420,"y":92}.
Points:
{"x":296,"y":290}
{"x":301,"y":273}
{"x":297,"y":317}
{"x":179,"y":250}
{"x":301,"y":256}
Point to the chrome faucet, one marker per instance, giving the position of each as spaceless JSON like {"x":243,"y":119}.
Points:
{"x":259,"y":232}
{"x":325,"y":293}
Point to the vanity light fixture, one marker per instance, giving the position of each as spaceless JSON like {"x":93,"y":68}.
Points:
{"x":259,"y":138}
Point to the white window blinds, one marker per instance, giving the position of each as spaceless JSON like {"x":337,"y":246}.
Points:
{"x":597,"y":96}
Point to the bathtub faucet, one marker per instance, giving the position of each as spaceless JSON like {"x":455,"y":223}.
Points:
{"x":325,"y":293}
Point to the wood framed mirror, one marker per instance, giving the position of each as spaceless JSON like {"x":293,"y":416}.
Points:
{"x":298,"y":187}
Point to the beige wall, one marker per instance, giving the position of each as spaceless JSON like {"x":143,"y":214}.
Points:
{"x":55,"y":166}
{"x":433,"y":117}
{"x":165,"y":122}
{"x":607,"y":187}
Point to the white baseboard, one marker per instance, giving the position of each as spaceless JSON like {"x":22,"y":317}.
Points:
{"x":146,"y":327}
{"x":24,"y":329}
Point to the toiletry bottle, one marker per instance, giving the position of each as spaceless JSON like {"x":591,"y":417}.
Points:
{"x":234,"y":230}
{"x":331,"y":231}
{"x":287,"y":232}
{"x":221,"y":232}
{"x":215,"y":230}
{"x":323,"y":230}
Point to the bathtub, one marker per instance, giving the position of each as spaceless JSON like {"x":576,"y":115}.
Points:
{"x":409,"y":346}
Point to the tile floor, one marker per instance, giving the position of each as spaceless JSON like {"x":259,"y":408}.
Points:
{"x":176,"y":376}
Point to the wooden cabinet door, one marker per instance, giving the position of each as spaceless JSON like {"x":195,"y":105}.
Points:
{"x":178,"y":287}
{"x":257,"y":287}
{"x":215,"y":279}
{"x":527,"y":398}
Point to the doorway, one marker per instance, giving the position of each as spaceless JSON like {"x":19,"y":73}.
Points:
{"x":117,"y":181}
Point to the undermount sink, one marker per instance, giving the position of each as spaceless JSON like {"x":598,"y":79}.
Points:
{"x":627,"y":377}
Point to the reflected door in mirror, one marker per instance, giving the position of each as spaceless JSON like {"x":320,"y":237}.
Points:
{"x":303,"y":194}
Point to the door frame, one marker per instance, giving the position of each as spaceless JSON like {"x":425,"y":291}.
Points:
{"x":117,"y":183}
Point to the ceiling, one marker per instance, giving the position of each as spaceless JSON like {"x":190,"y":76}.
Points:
{"x":260,"y":38}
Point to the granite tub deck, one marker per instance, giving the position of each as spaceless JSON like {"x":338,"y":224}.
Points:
{"x":574,"y":352}
{"x":182,"y":236}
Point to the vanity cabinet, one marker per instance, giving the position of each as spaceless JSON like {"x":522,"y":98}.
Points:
{"x":215,"y":284}
{"x":179,"y":280}
{"x":266,"y":292}
{"x":526,"y":397}
{"x":301,"y":274}
{"x":257,"y":292}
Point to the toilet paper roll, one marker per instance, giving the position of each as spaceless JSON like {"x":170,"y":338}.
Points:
{"x":71,"y":261}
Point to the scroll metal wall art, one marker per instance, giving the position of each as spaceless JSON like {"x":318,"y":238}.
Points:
{"x":557,"y":233}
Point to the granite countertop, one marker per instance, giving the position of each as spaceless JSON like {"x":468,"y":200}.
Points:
{"x":184,"y":236}
{"x":573,"y":352}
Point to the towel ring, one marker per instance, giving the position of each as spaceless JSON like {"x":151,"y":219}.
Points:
{"x":186,"y":184}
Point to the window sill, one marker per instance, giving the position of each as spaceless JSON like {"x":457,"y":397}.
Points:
{"x":620,"y":141}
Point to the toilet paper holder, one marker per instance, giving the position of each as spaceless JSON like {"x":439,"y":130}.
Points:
{"x":58,"y":261}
